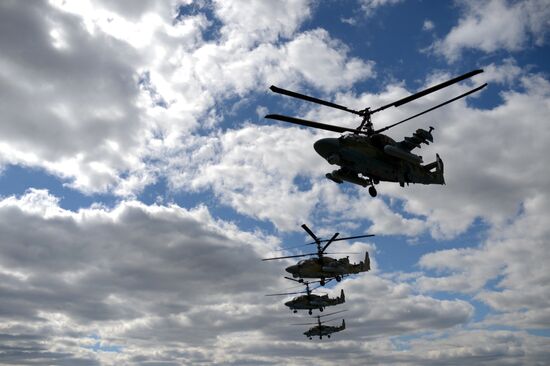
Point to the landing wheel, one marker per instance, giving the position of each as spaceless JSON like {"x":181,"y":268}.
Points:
{"x":295,"y":311}
{"x":372,"y":191}
{"x":338,"y":278}
{"x":301,"y":280}
{"x":320,"y":309}
{"x":322,"y":282}
{"x":310,"y":312}
{"x":328,"y":336}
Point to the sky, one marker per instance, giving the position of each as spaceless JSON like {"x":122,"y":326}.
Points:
{"x":140,"y":184}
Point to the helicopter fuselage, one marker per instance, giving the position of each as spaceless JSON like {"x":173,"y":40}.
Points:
{"x":327,"y":267}
{"x":313,"y":301}
{"x":378,"y":158}
{"x":324,"y":330}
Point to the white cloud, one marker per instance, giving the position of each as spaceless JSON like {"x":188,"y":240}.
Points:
{"x":370,"y":6}
{"x":148,"y":81}
{"x":239,"y":165}
{"x":513,"y":257}
{"x":428,"y":25}
{"x":494,"y":24}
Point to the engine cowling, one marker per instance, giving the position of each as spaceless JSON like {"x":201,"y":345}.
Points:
{"x":402,"y":154}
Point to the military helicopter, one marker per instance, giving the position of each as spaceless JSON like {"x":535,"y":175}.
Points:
{"x":324,"y":267}
{"x":366,"y":156}
{"x":310,"y":301}
{"x":323,"y":330}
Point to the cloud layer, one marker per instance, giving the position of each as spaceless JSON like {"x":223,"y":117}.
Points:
{"x":139,"y":283}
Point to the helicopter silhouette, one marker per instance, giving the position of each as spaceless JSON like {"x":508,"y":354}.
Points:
{"x":365,"y":155}
{"x":324,"y":267}
{"x":323,"y":330}
{"x":310,"y":301}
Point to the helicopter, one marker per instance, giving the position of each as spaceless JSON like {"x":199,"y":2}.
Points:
{"x":324,"y":267}
{"x":366,"y":156}
{"x":323,"y":330}
{"x":310,"y":301}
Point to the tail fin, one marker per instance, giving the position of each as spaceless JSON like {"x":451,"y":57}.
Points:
{"x":342,"y":297}
{"x":365,"y":266}
{"x":438,"y":172}
{"x":439,"y":169}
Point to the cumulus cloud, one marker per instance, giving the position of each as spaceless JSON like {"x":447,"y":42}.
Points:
{"x":492,"y":25}
{"x":94,"y":93}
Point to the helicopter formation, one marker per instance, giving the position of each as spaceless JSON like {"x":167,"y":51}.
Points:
{"x":325,"y":269}
{"x":365,"y":156}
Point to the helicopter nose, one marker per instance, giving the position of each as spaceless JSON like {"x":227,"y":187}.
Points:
{"x":326,"y":147}
{"x":291,"y":269}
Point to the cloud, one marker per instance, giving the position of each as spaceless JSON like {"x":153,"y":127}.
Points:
{"x":149,"y":81}
{"x":138,"y":283}
{"x":428,"y":25}
{"x":370,"y":6}
{"x":492,"y":25}
{"x":238,"y":165}
{"x":507,"y":272}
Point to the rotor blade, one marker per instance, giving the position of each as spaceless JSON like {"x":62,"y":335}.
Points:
{"x":431,"y":109}
{"x":287,"y":293}
{"x":342,"y":253}
{"x":301,"y":282}
{"x":432,"y":89}
{"x":312,"y":99}
{"x":303,"y":122}
{"x":329,"y":242}
{"x":290,"y":256}
{"x":304,"y":323}
{"x":308,"y":230}
{"x":328,"y":320}
{"x":349,"y":237}
{"x":336,"y":312}
{"x":293,"y":279}
{"x":288,"y":248}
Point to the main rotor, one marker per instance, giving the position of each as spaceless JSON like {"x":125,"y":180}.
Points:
{"x":366,"y":127}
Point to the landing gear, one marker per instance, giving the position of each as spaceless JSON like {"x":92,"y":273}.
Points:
{"x":328,"y":335}
{"x":372,"y":191}
{"x":294,"y":311}
{"x":321,"y":309}
{"x":338,"y":278}
{"x":322,"y":282}
{"x":310,"y":312}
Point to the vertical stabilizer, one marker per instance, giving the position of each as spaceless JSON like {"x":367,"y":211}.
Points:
{"x":439,"y":169}
{"x":365,"y":266}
